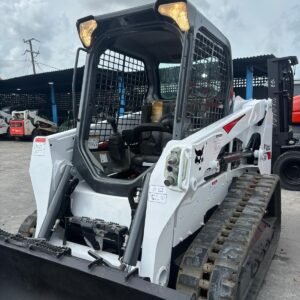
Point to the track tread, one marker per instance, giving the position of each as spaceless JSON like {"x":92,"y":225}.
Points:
{"x":224,"y":241}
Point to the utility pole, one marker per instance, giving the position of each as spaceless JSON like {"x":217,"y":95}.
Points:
{"x":32,"y":52}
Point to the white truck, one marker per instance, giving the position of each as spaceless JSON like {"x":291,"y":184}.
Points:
{"x":28,"y":123}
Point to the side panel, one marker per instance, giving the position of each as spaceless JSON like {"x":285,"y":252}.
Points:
{"x":210,"y":194}
{"x":28,"y":127}
{"x":49,"y":155}
{"x":87,"y":203}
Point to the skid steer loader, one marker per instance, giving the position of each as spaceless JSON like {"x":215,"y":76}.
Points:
{"x":177,"y":200}
{"x":28,"y":124}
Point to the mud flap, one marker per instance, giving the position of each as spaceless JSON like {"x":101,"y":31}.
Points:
{"x":31,"y":274}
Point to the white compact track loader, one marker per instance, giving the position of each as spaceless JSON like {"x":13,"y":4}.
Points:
{"x":175,"y":200}
{"x":28,"y":123}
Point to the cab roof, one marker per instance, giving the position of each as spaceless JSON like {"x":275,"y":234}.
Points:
{"x":147,"y":14}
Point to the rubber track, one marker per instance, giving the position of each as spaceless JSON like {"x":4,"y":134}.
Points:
{"x":27,"y":228}
{"x":211,"y":266}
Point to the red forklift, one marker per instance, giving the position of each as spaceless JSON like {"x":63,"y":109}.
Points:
{"x":296,"y":111}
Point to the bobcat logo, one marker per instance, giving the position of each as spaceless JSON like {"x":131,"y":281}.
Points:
{"x":199,"y":157}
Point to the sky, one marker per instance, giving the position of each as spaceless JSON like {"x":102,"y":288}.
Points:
{"x":253,"y":28}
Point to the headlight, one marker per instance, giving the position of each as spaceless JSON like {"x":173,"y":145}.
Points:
{"x":178,"y":12}
{"x":86,"y":30}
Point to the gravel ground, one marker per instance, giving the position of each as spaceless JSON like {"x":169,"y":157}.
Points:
{"x":17,"y":201}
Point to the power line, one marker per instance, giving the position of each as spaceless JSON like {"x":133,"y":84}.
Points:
{"x":31,"y":52}
{"x":38,"y":64}
{"x":25,"y":68}
{"x":47,"y":65}
{"x":24,"y":61}
{"x":28,"y":70}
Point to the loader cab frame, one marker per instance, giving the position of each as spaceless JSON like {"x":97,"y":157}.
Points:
{"x":130,"y":55}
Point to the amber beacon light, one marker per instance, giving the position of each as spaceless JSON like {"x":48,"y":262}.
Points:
{"x":86,"y":30}
{"x":178,"y":12}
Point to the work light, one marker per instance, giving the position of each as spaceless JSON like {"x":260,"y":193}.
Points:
{"x":86,"y":30}
{"x":178,"y":12}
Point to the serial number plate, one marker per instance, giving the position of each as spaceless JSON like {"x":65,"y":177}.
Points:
{"x":158,"y":194}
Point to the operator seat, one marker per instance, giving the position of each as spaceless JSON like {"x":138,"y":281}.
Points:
{"x":151,"y":148}
{"x":148,"y":140}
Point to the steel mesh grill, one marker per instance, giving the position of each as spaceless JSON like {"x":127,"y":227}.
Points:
{"x":41,"y":102}
{"x":121,"y":87}
{"x":260,"y":86}
{"x":20,"y":101}
{"x":208,"y":85}
{"x":257,"y":81}
{"x":169,"y":77}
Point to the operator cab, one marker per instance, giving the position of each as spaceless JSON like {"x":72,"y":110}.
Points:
{"x":148,"y":79}
{"x":24,"y":114}
{"x":134,"y":101}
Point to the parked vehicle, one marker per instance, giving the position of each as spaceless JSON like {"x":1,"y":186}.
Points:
{"x":28,"y":123}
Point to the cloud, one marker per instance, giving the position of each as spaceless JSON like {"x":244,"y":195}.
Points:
{"x":253,"y":28}
{"x":23,"y":20}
